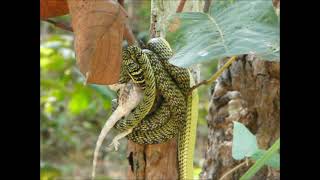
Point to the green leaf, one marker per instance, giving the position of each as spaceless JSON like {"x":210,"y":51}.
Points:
{"x":51,"y":60}
{"x":244,"y":142}
{"x":232,"y":28}
{"x":49,"y":173}
{"x":262,"y":161}
{"x":79,"y":102}
{"x":274,"y":160}
{"x":48,"y":107}
{"x":45,"y":51}
{"x":105,"y":92}
{"x":196,"y":172}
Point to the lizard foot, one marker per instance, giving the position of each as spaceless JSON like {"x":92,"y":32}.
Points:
{"x":115,"y":141}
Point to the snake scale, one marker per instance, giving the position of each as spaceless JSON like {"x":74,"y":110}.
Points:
{"x":151,"y":70}
{"x":131,"y":56}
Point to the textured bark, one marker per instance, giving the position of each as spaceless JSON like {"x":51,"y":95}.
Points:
{"x":158,"y":161}
{"x":248,"y":92}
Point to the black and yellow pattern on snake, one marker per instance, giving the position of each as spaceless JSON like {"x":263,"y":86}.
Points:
{"x":133,"y":58}
{"x":174,"y":114}
{"x":155,"y":119}
{"x":180,"y":76}
{"x":177,"y":104}
{"x":184,"y":80}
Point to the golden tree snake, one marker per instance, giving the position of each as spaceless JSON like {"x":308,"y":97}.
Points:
{"x":176,"y":113}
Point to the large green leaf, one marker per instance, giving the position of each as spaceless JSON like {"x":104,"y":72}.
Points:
{"x":244,"y":142}
{"x":267,"y":156}
{"x":231,"y":28}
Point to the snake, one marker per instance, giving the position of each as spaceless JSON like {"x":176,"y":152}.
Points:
{"x":176,"y":102}
{"x":174,"y":115}
{"x":139,"y":69}
{"x":151,"y":69}
{"x":184,"y":80}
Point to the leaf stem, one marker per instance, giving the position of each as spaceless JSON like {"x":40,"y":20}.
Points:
{"x":246,"y":162}
{"x":215,"y":75}
{"x":180,"y":6}
{"x":60,"y":25}
{"x":260,"y":162}
{"x":206,"y":6}
{"x":128,"y":34}
{"x":121,"y":2}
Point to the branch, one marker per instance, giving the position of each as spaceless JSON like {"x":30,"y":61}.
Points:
{"x":216,"y":75}
{"x":128,"y":34}
{"x":206,"y":6}
{"x":121,"y":2}
{"x":180,"y":6}
{"x":246,"y":162}
{"x":63,"y":26}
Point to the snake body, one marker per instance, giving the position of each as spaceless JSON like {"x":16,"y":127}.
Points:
{"x":184,"y":80}
{"x":176,"y":102}
{"x":151,"y":69}
{"x":133,"y":58}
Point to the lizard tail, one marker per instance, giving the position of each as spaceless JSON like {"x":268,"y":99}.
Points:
{"x":124,"y":108}
{"x":106,"y":128}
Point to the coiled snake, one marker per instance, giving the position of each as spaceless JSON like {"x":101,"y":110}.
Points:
{"x":150,"y":68}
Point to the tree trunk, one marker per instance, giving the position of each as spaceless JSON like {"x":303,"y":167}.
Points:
{"x":158,"y":161}
{"x":248,"y":92}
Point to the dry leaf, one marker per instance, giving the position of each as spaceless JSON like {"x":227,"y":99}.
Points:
{"x":52,"y":8}
{"x":98,"y":27}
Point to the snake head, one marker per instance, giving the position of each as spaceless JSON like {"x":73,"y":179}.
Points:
{"x":161,"y":47}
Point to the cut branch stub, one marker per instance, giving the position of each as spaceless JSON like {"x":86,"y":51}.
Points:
{"x":98,"y":28}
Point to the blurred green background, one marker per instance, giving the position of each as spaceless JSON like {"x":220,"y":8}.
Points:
{"x":73,"y":114}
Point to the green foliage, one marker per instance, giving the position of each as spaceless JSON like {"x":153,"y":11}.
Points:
{"x":231,"y":28}
{"x":48,"y":172}
{"x":196,"y":172}
{"x":143,"y":12}
{"x":262,"y":161}
{"x":274,"y":160}
{"x":79,"y":102}
{"x":71,"y":113}
{"x":245,"y":145}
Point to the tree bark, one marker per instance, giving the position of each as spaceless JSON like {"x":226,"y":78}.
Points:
{"x":158,"y":161}
{"x":248,"y":92}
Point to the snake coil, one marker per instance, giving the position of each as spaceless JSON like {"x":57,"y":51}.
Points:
{"x":150,"y":68}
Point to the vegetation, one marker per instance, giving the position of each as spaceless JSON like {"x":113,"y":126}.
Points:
{"x":73,"y":114}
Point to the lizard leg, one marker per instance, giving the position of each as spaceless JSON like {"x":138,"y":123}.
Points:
{"x":115,"y":141}
{"x":123,"y":109}
{"x":116,"y":87}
